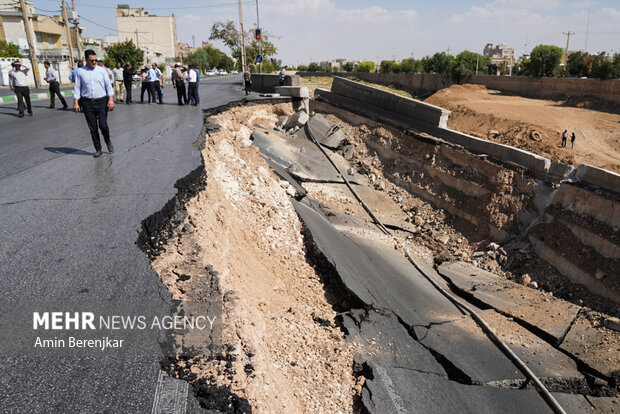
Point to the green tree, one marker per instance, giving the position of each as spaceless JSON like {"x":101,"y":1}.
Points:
{"x":389,"y":66}
{"x":366,"y":66}
{"x":9,"y":49}
{"x":302,"y":68}
{"x":466,"y":64}
{"x":228,"y":33}
{"x":544,"y":60}
{"x":125,"y":52}
{"x":603,"y":67}
{"x":411,"y":65}
{"x":441,"y":63}
{"x":349,"y":67}
{"x":314,"y":67}
{"x":579,"y":64}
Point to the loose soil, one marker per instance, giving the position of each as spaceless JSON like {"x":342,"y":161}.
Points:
{"x":284,"y":352}
{"x":535,"y":125}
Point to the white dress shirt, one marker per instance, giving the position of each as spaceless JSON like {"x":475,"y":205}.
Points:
{"x":18,"y":77}
{"x":51,"y":75}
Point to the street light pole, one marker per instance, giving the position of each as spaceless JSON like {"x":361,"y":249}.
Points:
{"x":242,"y":38}
{"x":31,"y":44}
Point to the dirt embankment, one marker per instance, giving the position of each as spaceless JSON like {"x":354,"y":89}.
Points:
{"x":535,"y":125}
{"x":284,"y":353}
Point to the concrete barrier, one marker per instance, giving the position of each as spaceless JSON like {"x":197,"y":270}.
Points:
{"x":267,"y":83}
{"x":598,"y":177}
{"x":417,"y":110}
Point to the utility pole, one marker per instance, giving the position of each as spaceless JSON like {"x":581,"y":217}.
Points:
{"x":260,"y":41}
{"x":67,"y":32}
{"x":585,"y":49}
{"x":242,"y":38}
{"x":566,"y":50}
{"x":477,"y":59}
{"x":31,"y":45}
{"x":77,"y":29}
{"x":193,"y":42}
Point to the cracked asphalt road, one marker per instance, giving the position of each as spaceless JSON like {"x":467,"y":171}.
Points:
{"x":69,"y":228}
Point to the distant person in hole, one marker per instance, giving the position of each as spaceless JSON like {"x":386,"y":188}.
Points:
{"x":283,"y":75}
{"x":564,"y":137}
{"x":572,"y":140}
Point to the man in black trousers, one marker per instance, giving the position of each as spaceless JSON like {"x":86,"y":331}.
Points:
{"x":128,"y":81}
{"x":93,"y":94}
{"x":18,"y":83}
{"x":178,"y":82}
{"x":51,"y":77}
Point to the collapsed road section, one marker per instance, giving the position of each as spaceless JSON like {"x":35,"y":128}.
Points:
{"x":322,"y":311}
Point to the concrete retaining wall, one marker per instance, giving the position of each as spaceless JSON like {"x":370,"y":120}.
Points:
{"x":418,"y":110}
{"x":267,"y":83}
{"x":571,"y":227}
{"x":598,"y":177}
{"x":608,"y":90}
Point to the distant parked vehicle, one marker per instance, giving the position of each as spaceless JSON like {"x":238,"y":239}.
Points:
{"x":211,"y":72}
{"x":234,"y":72}
{"x":222,"y":72}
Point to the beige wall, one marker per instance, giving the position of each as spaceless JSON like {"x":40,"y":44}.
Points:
{"x":155,"y":33}
{"x":608,"y":90}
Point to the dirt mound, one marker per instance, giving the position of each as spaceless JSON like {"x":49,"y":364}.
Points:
{"x":536,"y":125}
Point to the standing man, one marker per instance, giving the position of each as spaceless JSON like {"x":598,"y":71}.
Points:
{"x":564,"y":137}
{"x":80,"y":63}
{"x":107,"y":70}
{"x":160,"y":85}
{"x":178,"y":82}
{"x":18,"y":83}
{"x":572,"y":140}
{"x":52,"y":78}
{"x":128,"y":80}
{"x":93,"y":95}
{"x":192,"y":86}
{"x":118,"y":82}
{"x":153,"y":80}
{"x":282,"y":75}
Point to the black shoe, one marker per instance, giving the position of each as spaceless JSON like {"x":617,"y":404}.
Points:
{"x":97,"y":154}
{"x":51,"y":107}
{"x":111,"y":149}
{"x":29,"y":113}
{"x":21,"y":115}
{"x":64,"y":107}
{"x":161,"y":102}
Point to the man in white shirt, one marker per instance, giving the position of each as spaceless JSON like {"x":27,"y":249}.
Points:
{"x":192,"y":86}
{"x":51,"y":77}
{"x":118,"y":82}
{"x":18,"y":83}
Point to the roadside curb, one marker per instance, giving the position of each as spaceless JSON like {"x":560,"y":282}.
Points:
{"x":33,"y":96}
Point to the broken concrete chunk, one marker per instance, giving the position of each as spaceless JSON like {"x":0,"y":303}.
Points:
{"x":294,"y":91}
{"x":550,"y":315}
{"x":298,"y":119}
{"x":595,"y":345}
{"x":326,"y":132}
{"x":282,"y":120}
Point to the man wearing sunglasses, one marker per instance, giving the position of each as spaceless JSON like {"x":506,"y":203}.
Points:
{"x":93,"y":94}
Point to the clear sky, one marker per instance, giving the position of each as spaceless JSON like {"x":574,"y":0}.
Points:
{"x":305,"y":30}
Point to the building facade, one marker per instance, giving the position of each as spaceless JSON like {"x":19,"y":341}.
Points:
{"x":156,"y":35}
{"x":500,"y":54}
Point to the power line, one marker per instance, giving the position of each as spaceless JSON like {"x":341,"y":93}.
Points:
{"x":170,"y":8}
